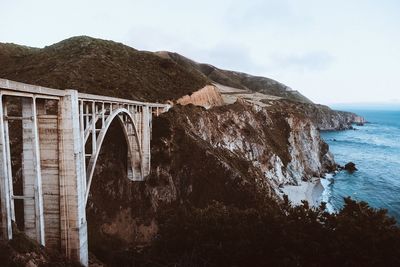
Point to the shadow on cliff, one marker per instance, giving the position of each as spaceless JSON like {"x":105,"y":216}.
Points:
{"x":199,"y":157}
{"x":186,"y":172}
{"x":119,"y":211}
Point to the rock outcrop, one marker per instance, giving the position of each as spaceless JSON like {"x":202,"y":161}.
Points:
{"x":286,"y":148}
{"x":323,"y":117}
{"x":207,"y":97}
{"x":350,"y":167}
{"x":333,"y":120}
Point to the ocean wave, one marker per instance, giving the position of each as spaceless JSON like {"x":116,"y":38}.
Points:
{"x":377,"y":142}
{"x":375,"y":148}
{"x":327,"y":193}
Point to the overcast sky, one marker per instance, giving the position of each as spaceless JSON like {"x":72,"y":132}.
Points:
{"x":337,"y":51}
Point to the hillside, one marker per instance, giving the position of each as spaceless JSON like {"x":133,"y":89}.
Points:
{"x":265,"y":92}
{"x":238,"y":79}
{"x":106,"y":67}
{"x":102,"y":67}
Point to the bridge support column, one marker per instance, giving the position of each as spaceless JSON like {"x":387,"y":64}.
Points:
{"x":134,"y":171}
{"x":145,"y":139}
{"x":48,"y":136}
{"x":5,"y":175}
{"x":134,"y":164}
{"x":31,"y":173}
{"x":72,"y":183}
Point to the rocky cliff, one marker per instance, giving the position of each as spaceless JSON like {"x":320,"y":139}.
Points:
{"x":327,"y":119}
{"x":285,"y":147}
{"x":323,"y":117}
{"x":236,"y":154}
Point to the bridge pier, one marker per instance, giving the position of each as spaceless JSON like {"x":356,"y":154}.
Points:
{"x":145,"y":127}
{"x":7,"y":206}
{"x":31,"y":173}
{"x":72,"y":180}
{"x":49,"y":153}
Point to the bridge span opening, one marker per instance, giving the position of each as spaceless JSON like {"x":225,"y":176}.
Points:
{"x":112,"y":198}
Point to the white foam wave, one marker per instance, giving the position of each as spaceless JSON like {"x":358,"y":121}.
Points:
{"x":327,"y":193}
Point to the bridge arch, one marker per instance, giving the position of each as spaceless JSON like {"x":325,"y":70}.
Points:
{"x":129,"y":128}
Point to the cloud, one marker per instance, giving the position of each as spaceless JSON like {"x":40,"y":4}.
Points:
{"x":223,"y":54}
{"x":309,"y":61}
{"x":313,"y":46}
{"x":154,"y":39}
{"x":229,"y":56}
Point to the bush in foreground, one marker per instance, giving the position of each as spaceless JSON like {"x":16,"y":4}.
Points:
{"x":278,"y":235}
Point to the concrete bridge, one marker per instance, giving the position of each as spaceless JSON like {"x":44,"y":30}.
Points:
{"x":61,"y":134}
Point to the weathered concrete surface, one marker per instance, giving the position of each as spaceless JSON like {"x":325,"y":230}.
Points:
{"x":31,"y":172}
{"x":72,"y":183}
{"x":49,"y":161}
{"x":5,"y":188}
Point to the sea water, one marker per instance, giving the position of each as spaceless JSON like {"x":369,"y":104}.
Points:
{"x":375,"y":149}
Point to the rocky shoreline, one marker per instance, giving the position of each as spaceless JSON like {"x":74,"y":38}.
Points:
{"x":310,"y":191}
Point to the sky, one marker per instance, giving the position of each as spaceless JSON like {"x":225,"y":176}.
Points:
{"x":339,"y":51}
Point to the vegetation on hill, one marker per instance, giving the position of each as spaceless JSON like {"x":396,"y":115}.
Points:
{"x":101,"y":67}
{"x":279,"y":235}
{"x":106,"y":67}
{"x":271,"y":234}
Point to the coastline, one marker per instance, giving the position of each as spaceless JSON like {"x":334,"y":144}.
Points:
{"x":317,"y":189}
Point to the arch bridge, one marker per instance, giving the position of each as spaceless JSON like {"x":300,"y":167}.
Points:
{"x":60,"y":136}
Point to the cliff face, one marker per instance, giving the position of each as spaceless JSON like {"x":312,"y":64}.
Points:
{"x":286,"y":148}
{"x":327,"y":119}
{"x":323,"y":117}
{"x":236,"y":154}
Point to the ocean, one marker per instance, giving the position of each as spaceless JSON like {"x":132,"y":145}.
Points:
{"x":375,"y":149}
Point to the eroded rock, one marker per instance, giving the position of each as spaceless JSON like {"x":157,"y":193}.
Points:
{"x":350,"y":167}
